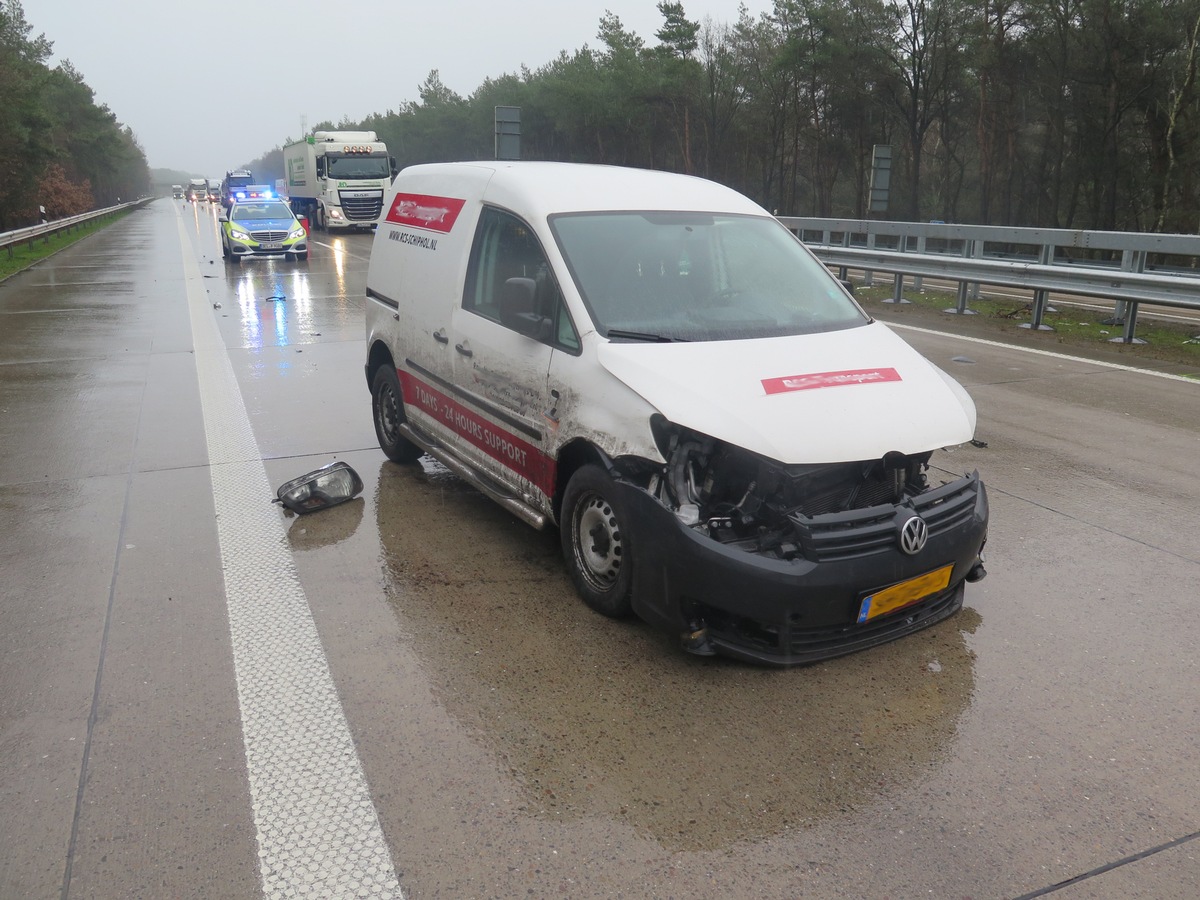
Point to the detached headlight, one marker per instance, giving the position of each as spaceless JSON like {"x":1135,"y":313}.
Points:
{"x":238,"y":235}
{"x":320,"y":489}
{"x":296,"y":233}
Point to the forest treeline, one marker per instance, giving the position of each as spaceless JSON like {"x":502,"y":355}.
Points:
{"x":1052,"y":113}
{"x":58,"y":149}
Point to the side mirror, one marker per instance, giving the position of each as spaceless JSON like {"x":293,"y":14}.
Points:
{"x":517,"y":309}
{"x":320,"y":489}
{"x":222,"y":216}
{"x":392,"y":165}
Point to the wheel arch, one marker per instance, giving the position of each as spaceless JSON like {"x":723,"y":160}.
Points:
{"x":378,"y":356}
{"x":574,"y":455}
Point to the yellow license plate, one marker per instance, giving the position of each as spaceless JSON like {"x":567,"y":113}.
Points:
{"x":904,"y":594}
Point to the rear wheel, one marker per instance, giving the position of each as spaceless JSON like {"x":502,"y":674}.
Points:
{"x":387,"y":409}
{"x":596,"y":542}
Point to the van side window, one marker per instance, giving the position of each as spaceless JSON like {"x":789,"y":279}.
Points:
{"x":504,"y":248}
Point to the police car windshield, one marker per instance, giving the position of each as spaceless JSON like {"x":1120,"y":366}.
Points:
{"x":262,"y":211}
{"x":699,"y":276}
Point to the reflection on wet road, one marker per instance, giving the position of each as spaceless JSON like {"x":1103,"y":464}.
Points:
{"x":608,"y":718}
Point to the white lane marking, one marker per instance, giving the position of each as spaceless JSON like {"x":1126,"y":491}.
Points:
{"x":1049,"y":353}
{"x":318,"y":832}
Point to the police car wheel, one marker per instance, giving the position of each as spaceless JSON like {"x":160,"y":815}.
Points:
{"x":596,"y":542}
{"x":387,"y":409}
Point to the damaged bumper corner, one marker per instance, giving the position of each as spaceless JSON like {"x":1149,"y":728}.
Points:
{"x":724,"y":599}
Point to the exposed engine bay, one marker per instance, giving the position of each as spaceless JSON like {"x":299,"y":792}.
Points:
{"x":742,"y":499}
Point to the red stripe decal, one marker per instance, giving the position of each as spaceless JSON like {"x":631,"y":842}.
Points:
{"x":425,"y":211}
{"x":817,"y":380}
{"x":510,"y":451}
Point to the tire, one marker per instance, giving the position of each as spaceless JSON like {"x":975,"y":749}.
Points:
{"x":596,"y":542}
{"x":387,"y":409}
{"x":224,"y":249}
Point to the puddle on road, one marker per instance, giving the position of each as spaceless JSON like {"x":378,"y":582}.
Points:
{"x":595,"y":717}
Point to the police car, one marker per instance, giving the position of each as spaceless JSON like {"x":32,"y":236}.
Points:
{"x":730,"y":447}
{"x":262,"y":226}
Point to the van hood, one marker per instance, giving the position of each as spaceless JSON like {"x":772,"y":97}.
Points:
{"x":833,"y":397}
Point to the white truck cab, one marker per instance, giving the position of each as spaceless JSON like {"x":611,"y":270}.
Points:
{"x":729,"y":445}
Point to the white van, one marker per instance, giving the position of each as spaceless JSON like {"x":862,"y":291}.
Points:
{"x":730,"y":446}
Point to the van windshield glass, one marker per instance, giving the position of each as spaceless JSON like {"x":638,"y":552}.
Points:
{"x":699,"y":276}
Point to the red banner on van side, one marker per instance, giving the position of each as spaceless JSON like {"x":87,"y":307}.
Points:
{"x":501,"y":445}
{"x":815,"y":380}
{"x":425,"y":211}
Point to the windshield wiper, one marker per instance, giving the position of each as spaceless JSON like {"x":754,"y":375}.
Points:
{"x":620,"y":333}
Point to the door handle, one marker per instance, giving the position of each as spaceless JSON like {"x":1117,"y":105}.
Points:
{"x":440,"y":338}
{"x":465,"y":351}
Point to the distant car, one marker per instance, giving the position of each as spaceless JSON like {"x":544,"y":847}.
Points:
{"x":262,"y":228}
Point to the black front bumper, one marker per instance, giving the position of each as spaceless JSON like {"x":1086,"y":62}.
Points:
{"x":788,"y":612}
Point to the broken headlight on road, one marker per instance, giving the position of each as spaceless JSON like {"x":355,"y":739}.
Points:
{"x":320,"y":489}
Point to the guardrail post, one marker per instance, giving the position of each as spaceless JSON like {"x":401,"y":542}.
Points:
{"x":977,"y":248}
{"x":1045,"y":257}
{"x":918,"y":282}
{"x":1131,"y":261}
{"x":960,"y":306}
{"x":1130,"y":325}
{"x":898,"y":280}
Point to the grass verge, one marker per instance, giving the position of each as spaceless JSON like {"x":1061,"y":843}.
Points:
{"x":1075,"y":328}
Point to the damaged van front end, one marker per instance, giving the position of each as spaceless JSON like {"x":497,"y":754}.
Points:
{"x":780,"y":564}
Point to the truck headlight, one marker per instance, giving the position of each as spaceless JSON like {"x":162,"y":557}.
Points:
{"x":334,"y":212}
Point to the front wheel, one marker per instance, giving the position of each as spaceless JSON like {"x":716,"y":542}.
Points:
{"x":596,"y":542}
{"x":387,"y":409}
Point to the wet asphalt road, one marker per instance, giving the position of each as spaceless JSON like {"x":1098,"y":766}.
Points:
{"x":514,"y":743}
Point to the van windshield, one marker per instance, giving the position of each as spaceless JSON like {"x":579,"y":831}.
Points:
{"x":699,"y":277}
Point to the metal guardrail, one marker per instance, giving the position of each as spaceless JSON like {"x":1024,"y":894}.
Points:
{"x":30,"y":235}
{"x":1108,"y":264}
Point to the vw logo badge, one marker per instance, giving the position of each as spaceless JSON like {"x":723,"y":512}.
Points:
{"x":913,"y":535}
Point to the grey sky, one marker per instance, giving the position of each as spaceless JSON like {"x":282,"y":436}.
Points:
{"x":212,"y":84}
